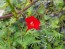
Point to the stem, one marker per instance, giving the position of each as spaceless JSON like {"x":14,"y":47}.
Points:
{"x":12,"y":7}
{"x":20,"y":12}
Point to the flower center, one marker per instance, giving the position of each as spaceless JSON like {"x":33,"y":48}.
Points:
{"x":32,"y":24}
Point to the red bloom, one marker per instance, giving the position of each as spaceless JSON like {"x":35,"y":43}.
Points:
{"x":32,"y":22}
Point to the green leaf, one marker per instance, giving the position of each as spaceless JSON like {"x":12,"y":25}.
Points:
{"x":41,"y":9}
{"x":58,"y":2}
{"x":3,"y":4}
{"x":54,"y":23}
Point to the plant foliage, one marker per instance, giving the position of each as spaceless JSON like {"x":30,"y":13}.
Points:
{"x":51,"y":14}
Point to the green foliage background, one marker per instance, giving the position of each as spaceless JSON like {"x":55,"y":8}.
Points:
{"x":51,"y":35}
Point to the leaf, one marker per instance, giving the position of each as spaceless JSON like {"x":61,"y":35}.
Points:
{"x":41,"y":9}
{"x":3,"y":4}
{"x":46,"y":17}
{"x":12,"y":20}
{"x":58,"y":2}
{"x":3,"y":32}
{"x":54,"y":23}
{"x":30,"y":10}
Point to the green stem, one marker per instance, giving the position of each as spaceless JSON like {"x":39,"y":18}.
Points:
{"x":11,"y":6}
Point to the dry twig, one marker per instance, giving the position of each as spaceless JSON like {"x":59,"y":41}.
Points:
{"x":20,"y":12}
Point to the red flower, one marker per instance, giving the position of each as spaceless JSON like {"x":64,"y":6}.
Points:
{"x":32,"y":22}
